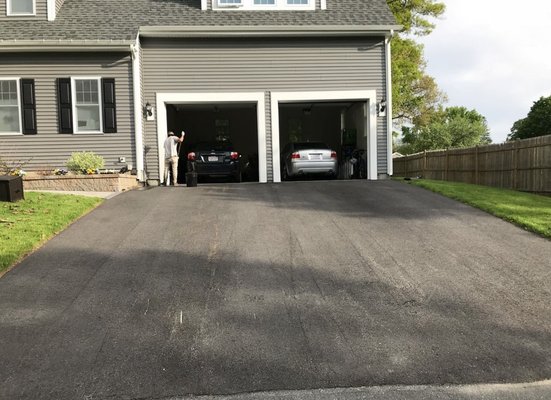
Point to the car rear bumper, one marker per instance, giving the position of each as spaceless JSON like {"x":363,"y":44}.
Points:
{"x":216,"y":169}
{"x":299,"y":167}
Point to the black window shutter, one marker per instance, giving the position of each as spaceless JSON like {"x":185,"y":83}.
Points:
{"x":109,"y":106}
{"x":65,"y":110}
{"x":28,"y":107}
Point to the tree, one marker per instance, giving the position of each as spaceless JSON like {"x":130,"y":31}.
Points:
{"x":415,"y":94}
{"x":450,"y":127}
{"x":412,"y":14}
{"x":536,"y":123}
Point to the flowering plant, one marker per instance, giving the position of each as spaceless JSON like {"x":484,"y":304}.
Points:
{"x":18,"y":172}
{"x":87,"y":163}
{"x":60,"y":171}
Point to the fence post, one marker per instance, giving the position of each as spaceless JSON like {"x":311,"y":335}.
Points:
{"x":423,"y":172}
{"x":515,"y":164}
{"x":447,"y":163}
{"x":476,"y":165}
{"x":406,"y":162}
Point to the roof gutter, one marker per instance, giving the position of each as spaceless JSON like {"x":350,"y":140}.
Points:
{"x":65,"y":45}
{"x":267,"y":31}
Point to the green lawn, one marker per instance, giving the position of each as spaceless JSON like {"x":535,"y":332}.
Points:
{"x":27,"y":224}
{"x":529,"y":211}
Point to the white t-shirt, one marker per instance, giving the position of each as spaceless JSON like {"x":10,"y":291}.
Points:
{"x":170,"y":146}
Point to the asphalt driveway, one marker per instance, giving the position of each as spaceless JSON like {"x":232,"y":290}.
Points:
{"x":232,"y":288}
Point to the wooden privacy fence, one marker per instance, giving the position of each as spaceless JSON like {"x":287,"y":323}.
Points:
{"x":521,"y":165}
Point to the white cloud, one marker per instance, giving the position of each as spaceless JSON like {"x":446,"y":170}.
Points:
{"x":493,"y":56}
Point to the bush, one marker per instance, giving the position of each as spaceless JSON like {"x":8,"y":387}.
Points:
{"x":85,"y":162}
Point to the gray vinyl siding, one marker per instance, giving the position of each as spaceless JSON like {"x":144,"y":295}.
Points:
{"x":41,"y":12}
{"x":269,"y":142}
{"x":49,"y":149}
{"x":171,"y":65}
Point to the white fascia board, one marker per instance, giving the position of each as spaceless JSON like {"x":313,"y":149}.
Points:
{"x":51,"y":10}
{"x":213,"y":98}
{"x":267,"y":31}
{"x":369,"y":96}
{"x":138,"y":113}
{"x":64,"y":45}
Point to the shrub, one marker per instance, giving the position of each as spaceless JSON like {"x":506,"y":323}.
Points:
{"x":85,"y":162}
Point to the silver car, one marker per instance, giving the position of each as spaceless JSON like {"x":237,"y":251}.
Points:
{"x":308,"y":158}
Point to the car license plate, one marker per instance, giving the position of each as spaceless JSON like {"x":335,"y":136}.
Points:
{"x":315,"y":156}
{"x":213,"y":158}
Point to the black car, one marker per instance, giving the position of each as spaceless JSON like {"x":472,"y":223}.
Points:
{"x":215,"y":159}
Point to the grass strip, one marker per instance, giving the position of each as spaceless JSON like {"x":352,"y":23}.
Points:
{"x":529,"y":211}
{"x":27,"y":224}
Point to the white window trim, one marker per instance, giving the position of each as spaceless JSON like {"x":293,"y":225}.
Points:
{"x":18,"y":86}
{"x":9,"y":13}
{"x":280,"y":5}
{"x":163,"y":99}
{"x":367,"y":96}
{"x":74,"y":104}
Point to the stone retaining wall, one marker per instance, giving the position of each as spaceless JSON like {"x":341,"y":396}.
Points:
{"x":91,"y":183}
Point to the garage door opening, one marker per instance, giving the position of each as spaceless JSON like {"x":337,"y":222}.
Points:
{"x":224,"y":126}
{"x":323,"y":139}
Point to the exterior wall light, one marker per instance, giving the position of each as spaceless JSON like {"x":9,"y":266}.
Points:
{"x":149,"y":111}
{"x":381,"y":108}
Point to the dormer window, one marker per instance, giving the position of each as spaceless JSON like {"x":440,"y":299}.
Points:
{"x":272,"y":5}
{"x":21,"y":7}
{"x":229,"y":3}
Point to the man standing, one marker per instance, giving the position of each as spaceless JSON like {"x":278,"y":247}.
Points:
{"x":171,"y":156}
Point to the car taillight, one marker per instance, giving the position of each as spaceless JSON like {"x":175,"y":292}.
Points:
{"x":333,"y":154}
{"x":234,"y":155}
{"x":191,"y":156}
{"x":295,"y":155}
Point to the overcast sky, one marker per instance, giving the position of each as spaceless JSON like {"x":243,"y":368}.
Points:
{"x":493,"y":56}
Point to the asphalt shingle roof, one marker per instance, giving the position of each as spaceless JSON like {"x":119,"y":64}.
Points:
{"x":121,"y":19}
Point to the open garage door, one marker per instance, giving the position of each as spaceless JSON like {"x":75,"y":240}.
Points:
{"x":323,"y":140}
{"x":211,"y":128}
{"x":324,"y":134}
{"x":238,"y":119}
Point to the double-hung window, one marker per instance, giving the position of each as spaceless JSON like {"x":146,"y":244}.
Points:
{"x":226,"y":3}
{"x":87,"y":105}
{"x":10,"y":113}
{"x":280,"y":5}
{"x":21,"y":7}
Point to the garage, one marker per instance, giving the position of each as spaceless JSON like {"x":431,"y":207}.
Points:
{"x":324,"y":134}
{"x":335,"y":131}
{"x":236,"y":118}
{"x":231,"y":126}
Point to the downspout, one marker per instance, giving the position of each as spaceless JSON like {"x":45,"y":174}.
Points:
{"x":138,"y":116}
{"x":389,"y":129}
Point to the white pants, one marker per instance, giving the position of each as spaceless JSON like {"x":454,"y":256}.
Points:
{"x":174,"y":162}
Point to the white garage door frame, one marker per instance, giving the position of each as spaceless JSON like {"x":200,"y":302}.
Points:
{"x":163,"y":99}
{"x":369,"y":96}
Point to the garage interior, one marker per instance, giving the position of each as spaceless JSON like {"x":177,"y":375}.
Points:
{"x":233,"y":122}
{"x":340,"y":125}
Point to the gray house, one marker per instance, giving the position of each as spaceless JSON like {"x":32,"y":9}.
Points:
{"x":114,"y":76}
